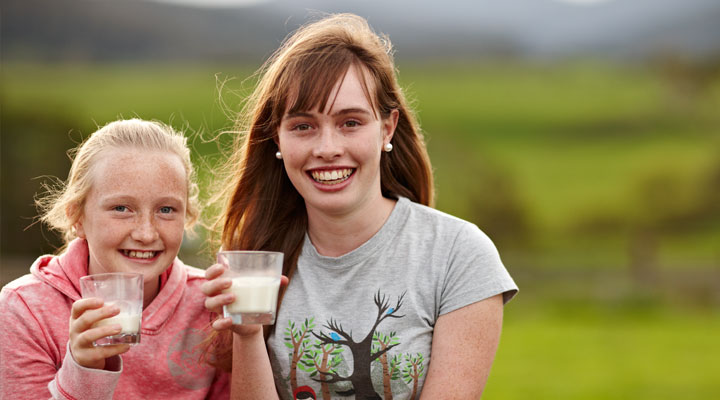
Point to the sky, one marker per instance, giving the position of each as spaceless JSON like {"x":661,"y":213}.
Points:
{"x":230,"y":3}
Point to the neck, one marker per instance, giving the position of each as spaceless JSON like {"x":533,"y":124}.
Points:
{"x":336,"y":235}
{"x":150,"y":290}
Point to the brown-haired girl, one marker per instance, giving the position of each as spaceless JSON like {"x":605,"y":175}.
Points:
{"x":388,"y":298}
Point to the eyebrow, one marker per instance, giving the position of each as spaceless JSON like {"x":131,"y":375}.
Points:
{"x":125,"y":199}
{"x":344,"y":111}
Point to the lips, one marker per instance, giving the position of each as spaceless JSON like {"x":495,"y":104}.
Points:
{"x":331,"y":176}
{"x":140,"y":254}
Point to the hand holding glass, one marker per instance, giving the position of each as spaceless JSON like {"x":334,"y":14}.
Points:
{"x":255,"y":283}
{"x":123,"y":290}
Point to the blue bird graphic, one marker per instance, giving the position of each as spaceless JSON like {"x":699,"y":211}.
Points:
{"x":335,"y":336}
{"x":390,"y":311}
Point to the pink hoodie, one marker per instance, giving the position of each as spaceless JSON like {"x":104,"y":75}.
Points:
{"x":34,"y":358}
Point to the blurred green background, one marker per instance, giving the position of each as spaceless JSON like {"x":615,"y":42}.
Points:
{"x":597,"y":177}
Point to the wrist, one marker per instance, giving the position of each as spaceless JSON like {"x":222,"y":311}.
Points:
{"x":247,"y":331}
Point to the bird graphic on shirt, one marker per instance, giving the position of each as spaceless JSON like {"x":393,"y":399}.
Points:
{"x":390,"y":311}
{"x":335,"y":336}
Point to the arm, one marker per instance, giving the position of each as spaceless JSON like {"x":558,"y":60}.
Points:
{"x":31,"y":366}
{"x":27,"y":361}
{"x":88,"y":371}
{"x":252,"y":376}
{"x":463,"y":349}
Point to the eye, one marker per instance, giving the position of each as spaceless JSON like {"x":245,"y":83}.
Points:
{"x":166,"y":210}
{"x":301,"y":127}
{"x":351,"y":124}
{"x":120,"y":208}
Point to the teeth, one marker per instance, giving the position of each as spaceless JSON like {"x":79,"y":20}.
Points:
{"x":139,"y":254}
{"x":331,"y":177}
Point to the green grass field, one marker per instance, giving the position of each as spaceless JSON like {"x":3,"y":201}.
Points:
{"x":608,"y":174}
{"x":561,"y":353}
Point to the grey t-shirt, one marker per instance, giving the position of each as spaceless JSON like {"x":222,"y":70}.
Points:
{"x":364,"y":321}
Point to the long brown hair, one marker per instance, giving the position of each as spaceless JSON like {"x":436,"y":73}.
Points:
{"x":263,"y":211}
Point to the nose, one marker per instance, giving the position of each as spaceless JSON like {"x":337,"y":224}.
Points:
{"x":145,"y":231}
{"x":329,"y":145}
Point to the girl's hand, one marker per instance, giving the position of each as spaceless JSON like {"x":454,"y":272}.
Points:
{"x":216,"y":299}
{"x":213,"y":289}
{"x":86,"y":312}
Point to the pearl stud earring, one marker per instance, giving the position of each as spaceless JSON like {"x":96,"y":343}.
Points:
{"x":278,"y":155}
{"x":388,"y":147}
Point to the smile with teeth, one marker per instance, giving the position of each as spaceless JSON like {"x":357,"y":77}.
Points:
{"x":140,"y":254}
{"x":331,"y":177}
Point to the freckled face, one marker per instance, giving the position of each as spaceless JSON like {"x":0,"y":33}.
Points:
{"x":133,"y":218}
{"x":332,"y":156}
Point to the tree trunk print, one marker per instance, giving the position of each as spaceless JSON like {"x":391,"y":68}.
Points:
{"x":362,"y":353}
{"x":325,"y":367}
{"x":413,"y":370}
{"x":298,"y":342}
{"x":388,"y":369}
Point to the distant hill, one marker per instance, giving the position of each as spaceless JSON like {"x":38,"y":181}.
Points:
{"x":105,"y":30}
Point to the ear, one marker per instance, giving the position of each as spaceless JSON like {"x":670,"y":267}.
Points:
{"x":72,"y":212}
{"x":79,"y":230}
{"x":389,"y":125}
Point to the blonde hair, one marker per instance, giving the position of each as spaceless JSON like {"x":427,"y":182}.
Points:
{"x":62,"y":204}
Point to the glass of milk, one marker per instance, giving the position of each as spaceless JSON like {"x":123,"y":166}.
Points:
{"x":255,"y":282}
{"x":124,"y":290}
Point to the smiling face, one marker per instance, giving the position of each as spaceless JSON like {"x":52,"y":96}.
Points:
{"x":332,"y":156}
{"x":133,"y":217}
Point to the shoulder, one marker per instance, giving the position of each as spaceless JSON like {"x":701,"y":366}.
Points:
{"x":26,"y":285}
{"x":432,"y":219}
{"x":441,"y":232}
{"x":193,"y":275}
{"x":29,"y":295}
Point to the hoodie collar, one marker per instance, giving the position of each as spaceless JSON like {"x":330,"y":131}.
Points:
{"x":63,"y":272}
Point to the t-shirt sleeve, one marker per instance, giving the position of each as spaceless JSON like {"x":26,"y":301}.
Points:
{"x":474,"y":271}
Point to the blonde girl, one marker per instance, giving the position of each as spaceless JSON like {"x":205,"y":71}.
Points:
{"x":129,"y":197}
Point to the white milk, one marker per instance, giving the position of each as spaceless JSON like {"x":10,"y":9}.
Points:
{"x":254,"y":294}
{"x":130,"y":323}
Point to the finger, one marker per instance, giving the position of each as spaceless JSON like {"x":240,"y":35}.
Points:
{"x":109,"y":351}
{"x":215,"y":303}
{"x":214,"y":271}
{"x":87,"y":338}
{"x":222,"y":324}
{"x":90,"y":317}
{"x":95,"y":357}
{"x":82,"y":305}
{"x":215,"y":286}
{"x":284,"y":280}
{"x":82,"y":342}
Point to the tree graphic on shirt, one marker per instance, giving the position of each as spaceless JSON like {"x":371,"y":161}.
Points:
{"x":390,"y":369}
{"x":323,"y":359}
{"x":297,"y":340}
{"x":413,"y":370}
{"x":363,"y":353}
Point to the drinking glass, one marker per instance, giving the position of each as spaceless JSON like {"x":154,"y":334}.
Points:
{"x":255,"y":282}
{"x":125,"y":291}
